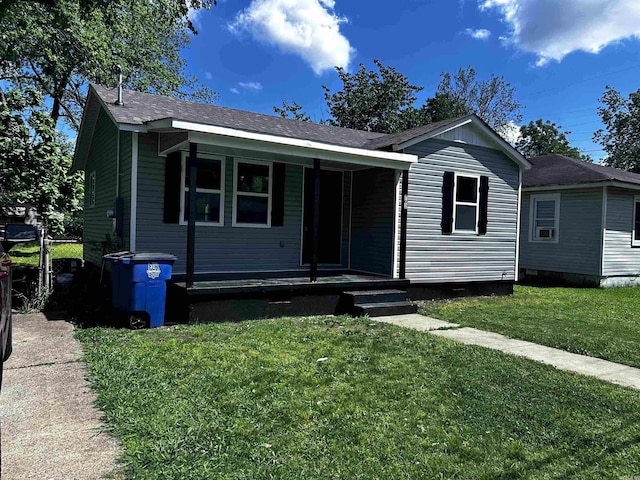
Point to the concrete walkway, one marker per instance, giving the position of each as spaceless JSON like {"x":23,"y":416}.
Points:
{"x":50,"y":428}
{"x":593,"y":367}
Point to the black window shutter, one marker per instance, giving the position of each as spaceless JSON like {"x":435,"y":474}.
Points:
{"x":277,"y":197}
{"x":172,"y":178}
{"x":447,"y":203}
{"x":484,"y":205}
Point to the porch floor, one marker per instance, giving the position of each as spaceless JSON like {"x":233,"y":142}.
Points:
{"x":334,"y":282}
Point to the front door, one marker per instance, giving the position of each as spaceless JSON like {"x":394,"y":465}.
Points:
{"x":330,"y":221}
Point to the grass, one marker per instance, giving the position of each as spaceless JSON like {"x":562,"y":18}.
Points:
{"x":340,"y":398}
{"x":29,"y":253}
{"x":602,"y":323}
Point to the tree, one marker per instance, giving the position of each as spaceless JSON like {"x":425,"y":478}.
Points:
{"x":621,"y":136}
{"x":443,"y":107}
{"x":35,"y":161}
{"x":492,"y":100}
{"x":544,"y":138}
{"x":384,"y":100}
{"x":178,"y":9}
{"x":374,"y":101}
{"x":292,"y":111}
{"x":57,"y":47}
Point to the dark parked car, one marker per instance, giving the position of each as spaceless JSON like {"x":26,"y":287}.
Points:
{"x":5,"y":308}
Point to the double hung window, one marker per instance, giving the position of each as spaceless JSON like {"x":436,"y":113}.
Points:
{"x":545,"y":216}
{"x":466,"y":204}
{"x":209,"y":191}
{"x":252,"y":193}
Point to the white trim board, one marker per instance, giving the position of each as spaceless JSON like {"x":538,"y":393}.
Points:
{"x":230,"y":137}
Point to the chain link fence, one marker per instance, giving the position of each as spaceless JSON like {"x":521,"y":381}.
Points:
{"x":43,"y":271}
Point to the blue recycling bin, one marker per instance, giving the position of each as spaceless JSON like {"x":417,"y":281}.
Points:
{"x":139,"y":289}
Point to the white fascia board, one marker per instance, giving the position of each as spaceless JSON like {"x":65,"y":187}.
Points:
{"x":126,"y":127}
{"x":229,"y":137}
{"x":509,"y":151}
{"x":578,"y":186}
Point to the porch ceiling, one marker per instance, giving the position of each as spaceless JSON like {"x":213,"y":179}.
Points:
{"x":234,"y":142}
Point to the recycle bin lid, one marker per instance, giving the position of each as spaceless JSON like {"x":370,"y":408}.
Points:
{"x":141,"y":256}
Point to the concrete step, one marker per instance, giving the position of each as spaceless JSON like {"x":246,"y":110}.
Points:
{"x":380,"y":309}
{"x":376,"y":296}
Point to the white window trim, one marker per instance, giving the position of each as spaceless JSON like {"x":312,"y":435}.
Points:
{"x":269,"y":195}
{"x":92,"y":188}
{"x":634,"y":242}
{"x":184,"y":188}
{"x":468,"y":204}
{"x":532,"y":217}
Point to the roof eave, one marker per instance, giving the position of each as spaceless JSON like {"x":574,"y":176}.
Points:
{"x":286,"y":145}
{"x":579,"y":185}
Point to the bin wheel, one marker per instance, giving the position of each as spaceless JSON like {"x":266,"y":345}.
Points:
{"x":138,"y":321}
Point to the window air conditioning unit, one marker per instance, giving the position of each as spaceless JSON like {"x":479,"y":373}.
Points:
{"x":546,"y":233}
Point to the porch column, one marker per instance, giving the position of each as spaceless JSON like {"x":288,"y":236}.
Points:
{"x":315,"y":222}
{"x":192,"y":167}
{"x":403,"y":224}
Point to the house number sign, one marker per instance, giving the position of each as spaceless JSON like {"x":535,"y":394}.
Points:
{"x":153,"y":270}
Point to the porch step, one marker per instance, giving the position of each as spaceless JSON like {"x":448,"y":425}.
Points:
{"x":376,"y":296}
{"x":380,"y":309}
{"x":376,"y":303}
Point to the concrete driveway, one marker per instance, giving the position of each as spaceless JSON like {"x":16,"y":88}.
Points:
{"x":50,"y":428}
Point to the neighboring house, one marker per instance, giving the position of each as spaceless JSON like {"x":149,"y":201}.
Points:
{"x":287,"y":210}
{"x":580,"y":222}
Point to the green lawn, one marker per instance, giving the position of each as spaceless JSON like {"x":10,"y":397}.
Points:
{"x":603,"y":323}
{"x":341,"y":398}
{"x":29,"y":253}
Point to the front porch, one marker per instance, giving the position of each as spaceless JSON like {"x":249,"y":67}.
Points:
{"x":335,"y":292}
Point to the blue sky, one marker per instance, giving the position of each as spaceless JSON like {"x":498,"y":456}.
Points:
{"x":558,"y":54}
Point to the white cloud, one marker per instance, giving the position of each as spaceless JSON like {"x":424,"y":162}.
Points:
{"x":234,"y":90}
{"x":554,"y":28}
{"x":250,"y":85}
{"x":208,"y":75}
{"x":308,"y":28}
{"x":479,"y":34}
{"x":193,"y":14}
{"x":510,"y":132}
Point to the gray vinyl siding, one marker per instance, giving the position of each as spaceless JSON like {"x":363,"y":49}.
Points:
{"x":579,"y":237}
{"x":460,"y":257}
{"x":620,"y":258}
{"x":372,"y":221}
{"x":223,"y":248}
{"x":98,"y":229}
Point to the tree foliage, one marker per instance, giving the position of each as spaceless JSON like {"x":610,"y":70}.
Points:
{"x":35,"y":161}
{"x":621,"y":136}
{"x":544,"y":138}
{"x":57,"y":47}
{"x":379,"y":101}
{"x":384,"y":100}
{"x":493,"y":100}
{"x":292,"y":111}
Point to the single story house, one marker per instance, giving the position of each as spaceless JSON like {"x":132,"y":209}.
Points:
{"x":580,"y":223}
{"x":273,"y":216}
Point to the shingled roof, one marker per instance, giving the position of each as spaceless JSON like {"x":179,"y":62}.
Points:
{"x":406,"y":135}
{"x":141,"y":108}
{"x":560,"y":170}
